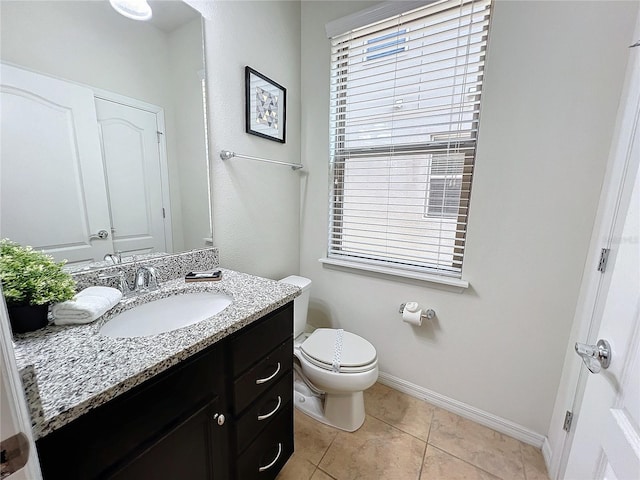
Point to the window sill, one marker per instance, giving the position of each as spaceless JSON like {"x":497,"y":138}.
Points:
{"x":424,"y":277}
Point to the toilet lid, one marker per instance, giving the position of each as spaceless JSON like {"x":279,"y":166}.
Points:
{"x":357,"y":354}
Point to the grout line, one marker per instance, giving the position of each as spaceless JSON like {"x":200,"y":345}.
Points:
{"x":325,"y":452}
{"x":424,"y":455}
{"x":476,"y":415}
{"x":397,"y":428}
{"x":442,"y":450}
{"x":433,"y":415}
{"x":467,"y":462}
{"x":524,"y":470}
{"x":330,"y":476}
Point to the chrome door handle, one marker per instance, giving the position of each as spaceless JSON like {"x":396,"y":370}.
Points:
{"x":267,"y":415}
{"x":101,"y":235}
{"x":265,"y":380}
{"x":595,"y":356}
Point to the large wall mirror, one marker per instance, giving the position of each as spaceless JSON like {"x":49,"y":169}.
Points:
{"x":103,"y":140}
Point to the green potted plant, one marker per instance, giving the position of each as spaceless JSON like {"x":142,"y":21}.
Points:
{"x":31,"y":281}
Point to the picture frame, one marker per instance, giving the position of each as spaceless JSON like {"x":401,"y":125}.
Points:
{"x":265,"y":106}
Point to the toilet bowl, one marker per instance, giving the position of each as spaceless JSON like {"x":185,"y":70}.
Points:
{"x":333,"y":368}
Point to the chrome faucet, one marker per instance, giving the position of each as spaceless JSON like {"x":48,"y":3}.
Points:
{"x":115,"y":258}
{"x":146,"y":279}
{"x":123,"y":284}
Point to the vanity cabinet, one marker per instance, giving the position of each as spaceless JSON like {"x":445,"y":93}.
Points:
{"x":261,"y":370}
{"x":186,"y":451}
{"x":162,"y":426}
{"x":225,"y":413}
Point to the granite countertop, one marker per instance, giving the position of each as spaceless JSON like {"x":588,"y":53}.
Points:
{"x":69,"y":370}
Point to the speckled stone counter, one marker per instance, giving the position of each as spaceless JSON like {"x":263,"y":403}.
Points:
{"x":69,"y":370}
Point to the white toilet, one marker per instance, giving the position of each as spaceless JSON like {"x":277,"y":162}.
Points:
{"x":335,"y":367}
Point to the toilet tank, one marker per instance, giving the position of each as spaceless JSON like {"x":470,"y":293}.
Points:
{"x":300,"y":304}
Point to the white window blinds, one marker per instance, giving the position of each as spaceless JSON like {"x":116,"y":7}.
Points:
{"x":405,"y":103}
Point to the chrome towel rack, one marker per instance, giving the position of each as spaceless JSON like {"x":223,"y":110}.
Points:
{"x":227,"y":154}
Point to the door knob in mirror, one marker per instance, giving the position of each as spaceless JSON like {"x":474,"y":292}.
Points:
{"x":101,"y":235}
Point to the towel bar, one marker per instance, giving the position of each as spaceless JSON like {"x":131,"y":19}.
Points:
{"x":227,"y":154}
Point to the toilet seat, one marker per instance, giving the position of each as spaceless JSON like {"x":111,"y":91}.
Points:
{"x":357,"y":355}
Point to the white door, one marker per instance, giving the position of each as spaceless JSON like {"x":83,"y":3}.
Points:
{"x":16,"y":437}
{"x":606,"y":444}
{"x":131,"y":155}
{"x":52,"y":188}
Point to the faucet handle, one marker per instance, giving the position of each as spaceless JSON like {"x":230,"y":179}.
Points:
{"x":152,"y":282}
{"x":123,"y":284}
{"x":115,"y":258}
{"x":146,"y":279}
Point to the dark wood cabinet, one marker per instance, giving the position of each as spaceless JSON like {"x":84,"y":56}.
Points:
{"x":185,"y":451}
{"x":261,"y":374}
{"x":225,"y":413}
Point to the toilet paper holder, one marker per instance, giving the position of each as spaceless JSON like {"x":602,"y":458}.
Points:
{"x":426,"y":315}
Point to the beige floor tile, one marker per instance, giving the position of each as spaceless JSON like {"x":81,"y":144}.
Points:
{"x":320,"y":475}
{"x":439,"y":465}
{"x":375,"y":451}
{"x":534,"y":466}
{"x":485,"y":448}
{"x":407,"y":413}
{"x":297,"y":468}
{"x":311,"y":438}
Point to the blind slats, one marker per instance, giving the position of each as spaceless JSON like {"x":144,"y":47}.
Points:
{"x":404,"y":113}
{"x":435,"y":50}
{"x":414,"y":72}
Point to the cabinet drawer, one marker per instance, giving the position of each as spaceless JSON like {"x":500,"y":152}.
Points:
{"x":267,"y":455}
{"x":264,"y":411}
{"x":262,"y":376}
{"x":255,"y":341}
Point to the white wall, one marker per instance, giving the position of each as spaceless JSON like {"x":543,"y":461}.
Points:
{"x":88,"y":42}
{"x":553,"y":80}
{"x":255,"y":205}
{"x":186,"y":60}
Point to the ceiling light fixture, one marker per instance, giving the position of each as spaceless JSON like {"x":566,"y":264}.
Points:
{"x":134,"y":9}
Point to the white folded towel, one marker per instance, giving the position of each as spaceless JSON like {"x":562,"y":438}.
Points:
{"x":86,"y":306}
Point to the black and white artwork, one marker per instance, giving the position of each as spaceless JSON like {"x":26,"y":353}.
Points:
{"x":266,"y":103}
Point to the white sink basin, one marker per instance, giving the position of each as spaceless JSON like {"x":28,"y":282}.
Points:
{"x":166,"y":314}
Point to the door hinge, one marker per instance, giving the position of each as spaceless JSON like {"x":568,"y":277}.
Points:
{"x":568,"y":418}
{"x":164,"y":215}
{"x":159,"y":133}
{"x":14,"y":453}
{"x":604,"y":256}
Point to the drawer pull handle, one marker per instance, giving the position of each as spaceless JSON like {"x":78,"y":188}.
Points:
{"x":265,"y":380}
{"x":264,"y":417}
{"x":267,"y":467}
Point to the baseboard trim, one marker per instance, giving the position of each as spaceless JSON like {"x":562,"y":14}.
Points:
{"x":467,"y":411}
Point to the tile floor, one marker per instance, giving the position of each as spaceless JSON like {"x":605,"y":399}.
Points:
{"x":404,"y":438}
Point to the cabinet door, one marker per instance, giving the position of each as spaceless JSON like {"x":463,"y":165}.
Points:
{"x":191,"y":449}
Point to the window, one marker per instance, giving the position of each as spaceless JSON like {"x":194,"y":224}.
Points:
{"x":386,"y":45}
{"x":405,"y":106}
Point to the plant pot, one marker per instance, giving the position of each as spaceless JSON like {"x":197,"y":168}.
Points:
{"x":27,"y":318}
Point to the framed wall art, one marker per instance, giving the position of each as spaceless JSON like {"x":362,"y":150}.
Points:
{"x":266,"y":106}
